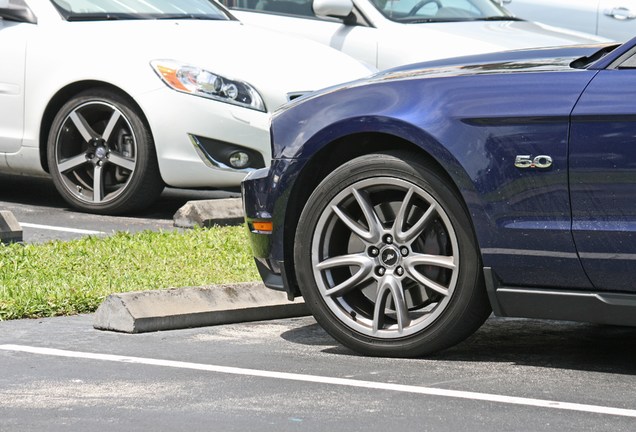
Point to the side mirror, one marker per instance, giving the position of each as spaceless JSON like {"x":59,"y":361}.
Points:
{"x":333,"y":8}
{"x":16,"y":12}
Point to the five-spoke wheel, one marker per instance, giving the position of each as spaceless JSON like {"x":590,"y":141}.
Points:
{"x":386,"y":258}
{"x":101,"y":154}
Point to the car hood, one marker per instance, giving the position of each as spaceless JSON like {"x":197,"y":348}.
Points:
{"x":274,"y":64}
{"x":535,"y":60}
{"x":538,"y":59}
{"x":477,"y":37}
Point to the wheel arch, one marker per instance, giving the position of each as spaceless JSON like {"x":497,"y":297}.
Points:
{"x":345,"y":148}
{"x":64,"y":95}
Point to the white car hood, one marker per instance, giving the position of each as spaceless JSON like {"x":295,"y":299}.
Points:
{"x":274,"y":64}
{"x":469,"y":38}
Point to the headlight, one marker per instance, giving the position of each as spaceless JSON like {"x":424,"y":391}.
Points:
{"x":200,"y":82}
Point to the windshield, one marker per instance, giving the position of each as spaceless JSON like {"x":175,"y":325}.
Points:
{"x":94,"y":10}
{"x":441,"y":10}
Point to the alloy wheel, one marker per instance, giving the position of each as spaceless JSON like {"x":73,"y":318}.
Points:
{"x":95,"y":152}
{"x":385,"y":257}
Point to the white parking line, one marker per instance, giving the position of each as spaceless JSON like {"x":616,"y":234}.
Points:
{"x":597,"y":409}
{"x":56,"y":228}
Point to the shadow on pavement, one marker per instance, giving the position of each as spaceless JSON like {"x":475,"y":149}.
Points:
{"x":37,"y":191}
{"x":552,"y":344}
{"x":40,"y":192}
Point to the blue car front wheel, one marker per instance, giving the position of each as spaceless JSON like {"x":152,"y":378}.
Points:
{"x":386,"y":258}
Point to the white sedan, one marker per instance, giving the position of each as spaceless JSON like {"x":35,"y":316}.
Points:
{"x":116,"y":99}
{"x":614,"y":19}
{"x":388,"y":33}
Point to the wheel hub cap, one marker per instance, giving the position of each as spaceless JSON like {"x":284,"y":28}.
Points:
{"x":101,"y":152}
{"x":390,"y":256}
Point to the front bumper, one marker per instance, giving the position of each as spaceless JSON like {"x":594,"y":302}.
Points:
{"x":178,"y":123}
{"x":265,"y":195}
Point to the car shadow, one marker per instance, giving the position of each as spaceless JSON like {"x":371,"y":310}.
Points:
{"x":553,"y":344}
{"x":539,"y":343}
{"x":40,"y":192}
{"x":35,"y":191}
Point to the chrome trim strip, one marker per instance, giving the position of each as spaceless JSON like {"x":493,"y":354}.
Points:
{"x":528,"y":252}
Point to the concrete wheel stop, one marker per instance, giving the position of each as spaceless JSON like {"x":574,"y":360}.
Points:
{"x":178,"y":308}
{"x":205,"y":213}
{"x":10,"y":228}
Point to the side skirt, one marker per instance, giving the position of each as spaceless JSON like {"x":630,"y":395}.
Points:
{"x":558,"y":304}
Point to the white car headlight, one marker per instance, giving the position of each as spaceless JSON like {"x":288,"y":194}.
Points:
{"x":200,"y":82}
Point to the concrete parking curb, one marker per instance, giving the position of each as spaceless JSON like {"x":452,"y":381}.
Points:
{"x":10,"y":228}
{"x":205,"y":213}
{"x":177,"y":308}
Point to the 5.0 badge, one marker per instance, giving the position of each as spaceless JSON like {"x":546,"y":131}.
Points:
{"x":527,"y":161}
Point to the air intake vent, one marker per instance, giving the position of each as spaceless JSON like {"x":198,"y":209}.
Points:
{"x":296,"y":95}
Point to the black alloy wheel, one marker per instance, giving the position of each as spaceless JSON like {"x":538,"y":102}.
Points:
{"x":101,"y":154}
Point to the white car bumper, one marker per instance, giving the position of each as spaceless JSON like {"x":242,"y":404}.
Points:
{"x":178,"y":122}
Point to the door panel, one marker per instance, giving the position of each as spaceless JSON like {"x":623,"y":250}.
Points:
{"x":580,"y":15}
{"x":12,"y":58}
{"x":603,"y":179}
{"x":617,"y":19}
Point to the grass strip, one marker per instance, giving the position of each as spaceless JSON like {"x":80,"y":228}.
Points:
{"x":71,"y":277}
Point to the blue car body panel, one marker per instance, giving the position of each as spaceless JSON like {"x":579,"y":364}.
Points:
{"x":564,"y":227}
{"x":603,"y":179}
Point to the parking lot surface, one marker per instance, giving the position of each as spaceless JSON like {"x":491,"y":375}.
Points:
{"x":45,"y":216}
{"x":287,"y":375}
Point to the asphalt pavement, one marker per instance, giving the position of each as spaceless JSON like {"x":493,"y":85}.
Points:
{"x":60,"y":374}
{"x":45,"y":216}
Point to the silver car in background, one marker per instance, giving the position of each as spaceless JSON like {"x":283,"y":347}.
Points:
{"x":388,"y":33}
{"x":613,"y":19}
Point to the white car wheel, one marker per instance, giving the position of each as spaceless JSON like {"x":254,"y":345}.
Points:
{"x":101,"y":155}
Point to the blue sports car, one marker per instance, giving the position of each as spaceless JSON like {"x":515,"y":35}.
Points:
{"x":406,"y":207}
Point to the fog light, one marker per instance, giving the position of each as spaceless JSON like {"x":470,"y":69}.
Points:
{"x":239,"y":159}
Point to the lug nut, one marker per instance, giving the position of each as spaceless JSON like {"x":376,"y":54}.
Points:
{"x":388,"y":239}
{"x":374,"y":251}
{"x":399,"y":271}
{"x":404,"y":251}
{"x":380,"y":271}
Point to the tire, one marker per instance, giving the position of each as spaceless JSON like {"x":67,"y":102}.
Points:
{"x":101,"y":155}
{"x":386,"y":258}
